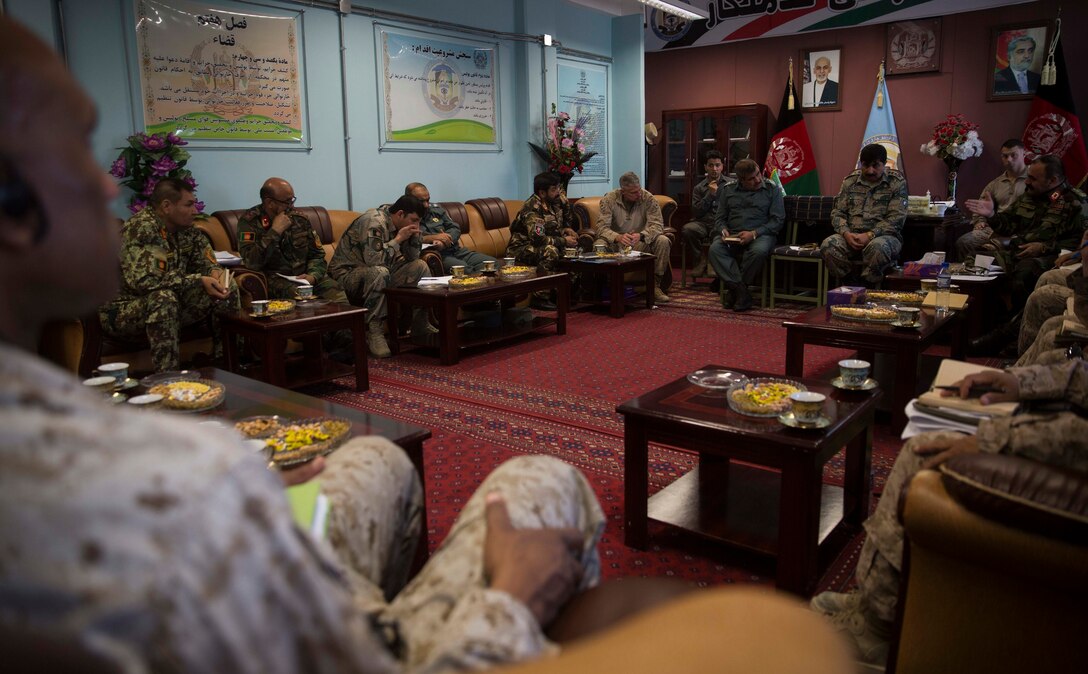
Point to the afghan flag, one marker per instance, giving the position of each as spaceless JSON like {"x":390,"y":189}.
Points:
{"x":1053,"y":126}
{"x":790,"y":153}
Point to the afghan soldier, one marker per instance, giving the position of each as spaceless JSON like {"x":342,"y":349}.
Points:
{"x":381,"y":249}
{"x":631,"y":216}
{"x":868,"y":219}
{"x":170,"y":278}
{"x":1004,"y":190}
{"x":751,"y":210}
{"x":276,"y":239}
{"x":704,"y":205}
{"x":1045,"y":219}
{"x":542,"y":231}
{"x":1061,"y":439}
{"x":439,"y":229}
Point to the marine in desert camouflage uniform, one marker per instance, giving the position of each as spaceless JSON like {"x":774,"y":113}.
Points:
{"x":631,"y":216}
{"x":170,"y":277}
{"x":542,"y":231}
{"x":379,"y":250}
{"x":868,"y":219}
{"x":1045,"y":313}
{"x":1004,"y":190}
{"x":1059,"y":438}
{"x":275,"y":239}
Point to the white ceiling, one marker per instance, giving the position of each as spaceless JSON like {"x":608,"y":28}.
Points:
{"x":613,"y":7}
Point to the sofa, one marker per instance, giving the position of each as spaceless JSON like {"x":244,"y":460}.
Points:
{"x":995,"y":568}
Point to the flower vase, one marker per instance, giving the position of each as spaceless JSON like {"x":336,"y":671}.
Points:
{"x":952,"y":185}
{"x":564,"y":180}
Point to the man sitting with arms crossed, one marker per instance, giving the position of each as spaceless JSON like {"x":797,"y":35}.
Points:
{"x":276,"y":239}
{"x":868,"y":220}
{"x":381,"y":249}
{"x":541,"y":232}
{"x":440,"y":230}
{"x":749,"y":216}
{"x":631,"y":216}
{"x":866,"y":615}
{"x":704,"y":204}
{"x":170,"y":277}
{"x":1003,"y":190}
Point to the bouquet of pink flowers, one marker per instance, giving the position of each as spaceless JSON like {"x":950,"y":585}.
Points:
{"x":147,"y":160}
{"x":564,"y":149}
{"x":954,"y":140}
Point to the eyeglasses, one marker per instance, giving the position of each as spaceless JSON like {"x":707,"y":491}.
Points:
{"x":289,"y":201}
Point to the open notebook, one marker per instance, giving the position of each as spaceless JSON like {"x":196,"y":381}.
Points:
{"x":950,"y":372}
{"x":310,"y":507}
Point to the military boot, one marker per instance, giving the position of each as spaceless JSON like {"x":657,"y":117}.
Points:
{"x":421,"y":323}
{"x":375,"y":340}
{"x":659,"y":295}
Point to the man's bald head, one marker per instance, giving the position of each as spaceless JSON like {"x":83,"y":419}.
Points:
{"x":277,"y":196}
{"x":66,"y":245}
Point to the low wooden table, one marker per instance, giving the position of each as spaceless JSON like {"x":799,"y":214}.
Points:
{"x":445,"y":302}
{"x":307,"y":320}
{"x":819,"y":327}
{"x":776,"y":503}
{"x":983,"y":293}
{"x":246,"y":397}
{"x":614,"y":269}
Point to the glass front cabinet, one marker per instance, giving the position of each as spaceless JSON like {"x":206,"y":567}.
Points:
{"x":738,"y":132}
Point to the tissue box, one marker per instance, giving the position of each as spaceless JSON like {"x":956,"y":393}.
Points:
{"x":921,"y":270}
{"x":845,"y":295}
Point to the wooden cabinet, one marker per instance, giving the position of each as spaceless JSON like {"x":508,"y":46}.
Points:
{"x":738,"y":132}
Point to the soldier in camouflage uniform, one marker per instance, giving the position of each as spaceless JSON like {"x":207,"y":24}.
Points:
{"x":438,"y":228}
{"x":1004,"y":190}
{"x":170,"y":277}
{"x":1056,"y":438}
{"x":542,"y":230}
{"x":381,"y":249}
{"x":631,"y":216}
{"x":275,"y":239}
{"x":868,"y":220}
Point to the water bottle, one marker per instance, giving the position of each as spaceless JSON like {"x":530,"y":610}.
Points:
{"x":944,"y":287}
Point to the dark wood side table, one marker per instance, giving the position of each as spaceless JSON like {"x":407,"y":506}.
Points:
{"x":819,"y":327}
{"x":445,"y":302}
{"x":307,"y":321}
{"x":773,"y":504}
{"x":614,"y":269}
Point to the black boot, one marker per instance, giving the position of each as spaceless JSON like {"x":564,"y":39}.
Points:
{"x":997,"y":340}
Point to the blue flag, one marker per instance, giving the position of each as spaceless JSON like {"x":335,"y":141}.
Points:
{"x":881,"y":126}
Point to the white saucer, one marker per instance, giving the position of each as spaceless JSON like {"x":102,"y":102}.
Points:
{"x":126,"y":384}
{"x":868,"y":385}
{"x":145,"y":399}
{"x":788,"y":419}
{"x":898,"y":324}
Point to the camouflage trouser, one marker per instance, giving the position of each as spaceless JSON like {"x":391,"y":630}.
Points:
{"x":1022,"y":275}
{"x":282,"y":289}
{"x":471,"y":260}
{"x":376,"y":502}
{"x":1047,"y":300}
{"x":365,"y":288}
{"x":660,"y":246}
{"x":161,"y":314}
{"x":752,"y":258}
{"x":881,"y":558}
{"x":877,"y":255}
{"x":975,"y":241}
{"x":1044,"y":350}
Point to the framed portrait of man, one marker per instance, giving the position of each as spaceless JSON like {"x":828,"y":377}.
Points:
{"x":1016,"y":60}
{"x":913,"y":47}
{"x":821,"y":79}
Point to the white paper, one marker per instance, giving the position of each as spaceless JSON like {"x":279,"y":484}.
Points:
{"x":294,"y":279}
{"x":435,"y":281}
{"x":427,"y":245}
{"x":919,"y":422}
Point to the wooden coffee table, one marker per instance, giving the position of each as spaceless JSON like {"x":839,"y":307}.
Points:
{"x":819,"y":327}
{"x":307,"y":322}
{"x":775,"y":503}
{"x":614,"y":269}
{"x":246,"y":397}
{"x":446,"y":302}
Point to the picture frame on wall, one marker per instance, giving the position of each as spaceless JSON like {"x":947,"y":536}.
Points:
{"x":913,"y":47}
{"x":821,"y":79}
{"x":1015,"y":65}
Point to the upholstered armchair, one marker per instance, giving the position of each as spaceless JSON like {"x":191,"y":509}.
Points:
{"x":588,"y":210}
{"x":995,"y":568}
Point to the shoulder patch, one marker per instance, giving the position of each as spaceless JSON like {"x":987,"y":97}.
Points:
{"x":248,"y":237}
{"x":162,"y":265}
{"x":210,"y":256}
{"x":265,"y":222}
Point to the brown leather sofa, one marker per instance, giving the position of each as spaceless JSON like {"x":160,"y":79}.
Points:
{"x":995,"y":568}
{"x":588,"y":210}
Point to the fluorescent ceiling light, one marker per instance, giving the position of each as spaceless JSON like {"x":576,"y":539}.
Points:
{"x":679,"y":8}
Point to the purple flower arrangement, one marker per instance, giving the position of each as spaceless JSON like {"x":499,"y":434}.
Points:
{"x":147,"y":159}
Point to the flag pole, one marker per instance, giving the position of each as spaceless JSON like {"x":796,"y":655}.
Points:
{"x":791,"y":102}
{"x":879,"y":89}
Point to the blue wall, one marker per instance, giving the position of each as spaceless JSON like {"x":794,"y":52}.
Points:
{"x":101,"y":55}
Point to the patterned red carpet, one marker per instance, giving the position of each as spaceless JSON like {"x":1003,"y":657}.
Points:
{"x":557,"y":395}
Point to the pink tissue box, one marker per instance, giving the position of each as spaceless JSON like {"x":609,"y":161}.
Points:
{"x":921,"y":270}
{"x":845,"y":295}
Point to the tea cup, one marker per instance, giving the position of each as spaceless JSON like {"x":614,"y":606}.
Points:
{"x":854,"y":372}
{"x":489,"y":265}
{"x":570,"y":252}
{"x":458,"y":271}
{"x":598,"y":248}
{"x":808,"y":406}
{"x":907,"y":315}
{"x":305,"y":292}
{"x":508,"y":262}
{"x":929,"y":285}
{"x":259,"y":307}
{"x":119,"y":372}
